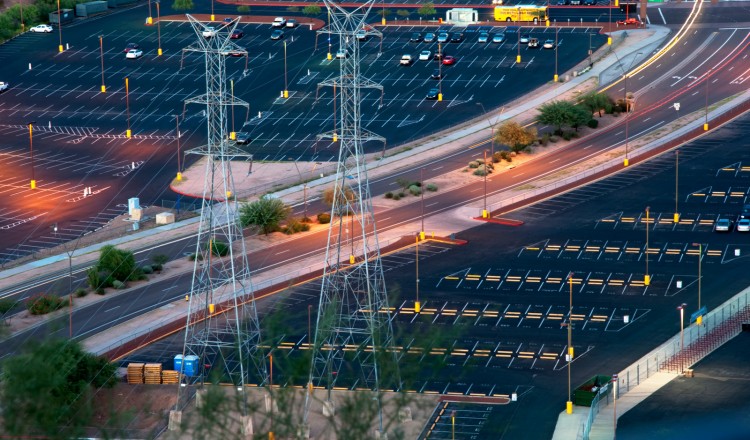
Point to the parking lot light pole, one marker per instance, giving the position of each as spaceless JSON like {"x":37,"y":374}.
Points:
{"x":286,"y":88}
{"x":150,"y":18}
{"x":626,"y":161}
{"x":705,"y":124}
{"x":158,"y":30}
{"x":232,"y":134}
{"x":676,"y":217}
{"x":177,"y":135}
{"x":485,"y":214}
{"x":422,"y":189}
{"x":453,"y":425}
{"x":647,"y":277}
{"x":699,"y":320}
{"x":213,"y":17}
{"x":681,"y":308}
{"x":417,"y":304}
{"x":518,"y":33}
{"x":569,"y":403}
{"x":128,"y":133}
{"x":615,"y":383}
{"x":609,"y":28}
{"x":32,"y":184}
{"x":59,"y":27}
{"x":557,"y":28}
{"x":101,"y":56}
{"x":440,"y":72}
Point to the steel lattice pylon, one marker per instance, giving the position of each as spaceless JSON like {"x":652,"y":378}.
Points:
{"x":222,"y":324}
{"x":353,"y":314}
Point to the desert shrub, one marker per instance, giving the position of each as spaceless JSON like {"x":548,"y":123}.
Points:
{"x":324,"y":218}
{"x":415,"y":190}
{"x":81,"y":292}
{"x":293,"y":226}
{"x":193,"y":256}
{"x":474,"y":164}
{"x":505,"y":155}
{"x":292,"y":9}
{"x":396,"y":197}
{"x":157,"y":267}
{"x":593,"y":123}
{"x":219,"y":248}
{"x":43,"y":304}
{"x":160,"y":259}
{"x":481,"y":171}
{"x":402,"y":13}
{"x":147,"y":269}
{"x":311,"y":10}
{"x":402,"y":194}
{"x":117,"y":284}
{"x":243,"y":9}
{"x":431,"y":187}
{"x":567,"y":135}
{"x":389,"y":195}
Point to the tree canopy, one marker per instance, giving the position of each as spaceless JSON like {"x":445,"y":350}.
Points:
{"x":182,"y":5}
{"x":515,"y":136}
{"x":563,"y":113}
{"x":427,"y":9}
{"x":265,"y":214}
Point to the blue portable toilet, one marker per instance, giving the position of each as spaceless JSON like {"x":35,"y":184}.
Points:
{"x":178,"y":363}
{"x":191,"y":365}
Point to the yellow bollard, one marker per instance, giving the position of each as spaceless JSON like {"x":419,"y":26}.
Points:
{"x":150,"y":20}
{"x":518,"y":59}
{"x":351,"y":259}
{"x":417,"y":306}
{"x":699,"y":320}
{"x":213,"y":17}
{"x":128,"y":133}
{"x":179,"y":177}
{"x":60,"y":48}
{"x":104,"y":89}
{"x":569,"y":407}
{"x":485,"y":214}
{"x":159,"y":52}
{"x":335,"y":137}
{"x":705,"y":127}
{"x":187,"y":297}
{"x":676,"y":217}
{"x":211,"y":308}
{"x":626,"y":162}
{"x":555,"y":78}
{"x":382,"y":21}
{"x":271,"y":436}
{"x":647,"y":280}
{"x":570,"y":353}
{"x":609,"y":41}
{"x":33,"y":184}
{"x":440,"y":97}
{"x":421,"y":235}
{"x":329,"y":57}
{"x":617,"y":3}
{"x":229,"y":194}
{"x":547,"y":22}
{"x":232,"y":135}
{"x":286,"y":94}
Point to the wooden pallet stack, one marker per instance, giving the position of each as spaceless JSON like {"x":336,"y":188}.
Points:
{"x":135,"y":373}
{"x":152,"y":374}
{"x":170,"y":376}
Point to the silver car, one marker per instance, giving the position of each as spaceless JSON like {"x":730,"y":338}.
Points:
{"x":723,"y":225}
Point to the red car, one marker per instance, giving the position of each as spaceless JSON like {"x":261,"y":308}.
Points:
{"x":629,"y":21}
{"x":130,"y":47}
{"x":237,"y":34}
{"x":449,"y":60}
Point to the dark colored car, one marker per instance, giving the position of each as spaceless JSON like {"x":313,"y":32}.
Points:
{"x":130,"y":47}
{"x":589,"y":2}
{"x":432,"y":93}
{"x":457,"y":37}
{"x":416,"y":37}
{"x":277,"y":34}
{"x":236,"y":34}
{"x":436,"y":74}
{"x":439,"y":55}
{"x":242,"y":138}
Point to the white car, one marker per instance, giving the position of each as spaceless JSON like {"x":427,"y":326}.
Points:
{"x":209,"y":32}
{"x":405,"y":60}
{"x":425,"y":55}
{"x":341,"y":54}
{"x":549,"y":44}
{"x":743,"y":225}
{"x":723,"y":225}
{"x":134,"y":53}
{"x":3,"y":86}
{"x":45,"y":28}
{"x":279,"y":22}
{"x":525,"y":39}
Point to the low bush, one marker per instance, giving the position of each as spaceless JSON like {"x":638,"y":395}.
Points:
{"x":147,"y":269}
{"x":117,"y":284}
{"x":157,"y":267}
{"x":292,"y":9}
{"x":43,"y":304}
{"x":567,"y":135}
{"x":81,"y":292}
{"x":389,"y":195}
{"x":324,"y":218}
{"x":402,"y":194}
{"x":481,"y":171}
{"x":544,"y":140}
{"x":593,"y":123}
{"x":160,"y":259}
{"x":311,"y":10}
{"x":193,"y":256}
{"x":243,"y":9}
{"x":100,"y":291}
{"x":415,"y":190}
{"x":506,"y":156}
{"x":402,"y":13}
{"x":306,"y":219}
{"x":219,"y":248}
{"x":496,"y":157}
{"x":474,"y":164}
{"x":396,"y":197}
{"x":293,"y":226}
{"x":554,"y":139}
{"x":431,"y":187}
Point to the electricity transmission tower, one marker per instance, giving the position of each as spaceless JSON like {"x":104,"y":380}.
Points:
{"x":222,"y":330}
{"x":353,"y":327}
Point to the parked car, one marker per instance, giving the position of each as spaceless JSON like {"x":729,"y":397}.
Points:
{"x":432,"y":93}
{"x":449,"y":60}
{"x":575,"y":2}
{"x":525,"y":39}
{"x":278,"y":22}
{"x":429,"y":37}
{"x":44,"y":28}
{"x":629,"y":22}
{"x":498,"y":38}
{"x":341,"y":54}
{"x":534,"y":43}
{"x":233,"y":53}
{"x":549,"y":44}
{"x":361,"y":35}
{"x":405,"y":60}
{"x":457,"y":37}
{"x":237,"y":34}
{"x":563,"y":2}
{"x":277,"y":34}
{"x":436,"y":74}
{"x":483,"y":37}
{"x":130,"y":47}
{"x":242,"y":138}
{"x":291,"y":23}
{"x":743,"y":225}
{"x":416,"y":37}
{"x":589,"y":2}
{"x":227,"y":21}
{"x":439,"y":56}
{"x":209,"y":31}
{"x":443,"y":37}
{"x":425,"y":55}
{"x":134,"y":53}
{"x":4,"y":86}
{"x":723,"y":225}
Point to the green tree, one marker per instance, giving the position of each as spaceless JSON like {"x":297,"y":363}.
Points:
{"x":345,"y":197}
{"x":384,"y":12}
{"x":119,"y":264}
{"x":515,"y":136}
{"x":47,"y":387}
{"x":556,"y":114}
{"x":427,"y":9}
{"x":244,"y":9}
{"x":402,"y":13}
{"x":265,"y":214}
{"x":182,"y":5}
{"x":311,"y":10}
{"x":596,"y":102}
{"x":579,"y":116}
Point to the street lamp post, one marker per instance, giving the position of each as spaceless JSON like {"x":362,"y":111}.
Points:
{"x":417,"y":303}
{"x":440,"y":72}
{"x":286,"y":89}
{"x":676,"y":217}
{"x":699,"y":319}
{"x":486,"y":171}
{"x":569,"y":403}
{"x":647,"y":277}
{"x":32,"y":183}
{"x":232,"y":134}
{"x":158,"y":30}
{"x":453,"y":425}
{"x":681,"y":308}
{"x":59,"y":27}
{"x":557,"y":28}
{"x":518,"y":33}
{"x":150,"y":18}
{"x":705,"y":124}
{"x":128,"y":133}
{"x":101,"y":56}
{"x":615,"y":384}
{"x":177,"y":135}
{"x":609,"y":28}
{"x":626,"y":162}
{"x":422,"y":189}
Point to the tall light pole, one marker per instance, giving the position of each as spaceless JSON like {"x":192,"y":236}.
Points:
{"x":158,"y":30}
{"x":213,"y":17}
{"x":609,"y":28}
{"x":101,"y":56}
{"x":453,"y":425}
{"x":233,"y":134}
{"x":128,"y":133}
{"x":699,"y":320}
{"x":705,"y":124}
{"x":615,"y":385}
{"x":518,"y":34}
{"x":32,"y":184}
{"x":569,"y":403}
{"x":681,"y":308}
{"x":485,"y":214}
{"x":647,"y":277}
{"x":286,"y":89}
{"x":177,"y":135}
{"x":417,"y":304}
{"x":150,"y":18}
{"x":440,"y":72}
{"x":626,"y":162}
{"x":59,"y":27}
{"x":557,"y":28}
{"x":422,"y":188}
{"x":676,"y":217}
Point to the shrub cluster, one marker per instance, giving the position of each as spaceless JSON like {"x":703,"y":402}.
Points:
{"x":43,"y":304}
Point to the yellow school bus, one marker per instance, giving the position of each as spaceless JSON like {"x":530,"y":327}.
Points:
{"x":520,"y":13}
